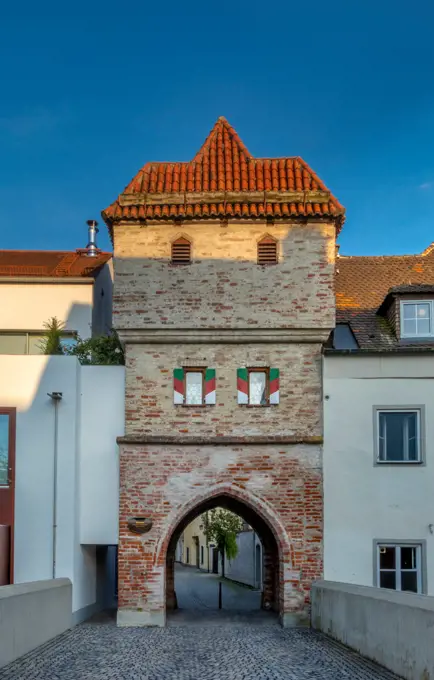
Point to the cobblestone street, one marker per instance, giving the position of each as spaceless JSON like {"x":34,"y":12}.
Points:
{"x":99,"y":650}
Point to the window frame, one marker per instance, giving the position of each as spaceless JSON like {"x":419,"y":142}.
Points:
{"x":404,"y":303}
{"x":419,"y":409}
{"x":421,"y":567}
{"x":11,"y":412}
{"x":259,"y":369}
{"x":192,"y":369}
{"x":66,"y":335}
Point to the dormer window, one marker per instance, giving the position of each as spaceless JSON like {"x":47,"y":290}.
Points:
{"x":417,"y":319}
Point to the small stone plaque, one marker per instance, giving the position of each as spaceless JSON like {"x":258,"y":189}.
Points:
{"x":139,"y":525}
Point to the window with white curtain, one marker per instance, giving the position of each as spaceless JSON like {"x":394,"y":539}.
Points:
{"x":417,"y":319}
{"x":398,"y":436}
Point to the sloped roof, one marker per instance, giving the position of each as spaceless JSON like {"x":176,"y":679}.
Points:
{"x":51,"y":263}
{"x":224,"y":180}
{"x":362,"y":284}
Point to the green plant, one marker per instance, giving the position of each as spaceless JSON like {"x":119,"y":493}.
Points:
{"x":102,"y":350}
{"x":51,"y":342}
{"x":222,"y":527}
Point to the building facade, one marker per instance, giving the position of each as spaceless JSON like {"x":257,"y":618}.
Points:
{"x":192,"y":548}
{"x":38,"y":285}
{"x":59,"y":421}
{"x":378,"y":415}
{"x":224,"y":296}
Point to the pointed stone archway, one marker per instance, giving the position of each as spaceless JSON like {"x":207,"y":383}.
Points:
{"x":276,"y":549}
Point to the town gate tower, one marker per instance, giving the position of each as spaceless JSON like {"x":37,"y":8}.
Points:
{"x":224,"y":296}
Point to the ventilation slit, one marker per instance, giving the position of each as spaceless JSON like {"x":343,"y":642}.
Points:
{"x":267,"y":251}
{"x":181,"y":251}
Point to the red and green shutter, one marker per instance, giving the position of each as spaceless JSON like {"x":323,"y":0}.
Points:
{"x":243,"y":385}
{"x":210,"y":386}
{"x":178,"y":386}
{"x":274,"y":385}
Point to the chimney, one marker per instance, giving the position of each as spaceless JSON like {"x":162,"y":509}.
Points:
{"x":92,"y":248}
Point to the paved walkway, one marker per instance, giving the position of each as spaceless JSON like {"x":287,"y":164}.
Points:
{"x":99,"y":650}
{"x":199,"y":590}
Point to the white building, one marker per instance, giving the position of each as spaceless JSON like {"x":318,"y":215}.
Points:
{"x":58,"y":427}
{"x":246,"y":567}
{"x":379,"y":425}
{"x":38,"y":285}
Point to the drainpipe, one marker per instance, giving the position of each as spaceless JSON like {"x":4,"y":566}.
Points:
{"x":56,"y":397}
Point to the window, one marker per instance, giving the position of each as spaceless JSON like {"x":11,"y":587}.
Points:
{"x":24,"y":342}
{"x":258,"y":386}
{"x":181,"y":251}
{"x":201,"y":554}
{"x":399,"y":435}
{"x":399,"y":566}
{"x":187,"y":555}
{"x":194,"y":386}
{"x":267,"y":250}
{"x":4,"y":449}
{"x":416,"y":319}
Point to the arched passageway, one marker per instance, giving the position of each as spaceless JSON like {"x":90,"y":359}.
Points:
{"x":271,"y":594}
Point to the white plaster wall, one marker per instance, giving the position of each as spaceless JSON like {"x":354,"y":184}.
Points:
{"x":362,"y":501}
{"x":102,"y":420}
{"x":27,"y":306}
{"x":242,"y":567}
{"x":25,"y":382}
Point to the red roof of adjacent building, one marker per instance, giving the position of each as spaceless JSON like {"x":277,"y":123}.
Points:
{"x":224,"y":180}
{"x":362,"y":284}
{"x":51,"y":263}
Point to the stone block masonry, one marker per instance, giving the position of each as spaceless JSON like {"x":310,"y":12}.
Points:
{"x":223,"y":311}
{"x":224,"y":286}
{"x":149,"y":391}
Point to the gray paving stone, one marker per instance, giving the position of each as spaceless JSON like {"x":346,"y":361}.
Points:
{"x":98,"y":650}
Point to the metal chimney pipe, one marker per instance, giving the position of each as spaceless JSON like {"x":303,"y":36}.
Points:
{"x":91,"y":247}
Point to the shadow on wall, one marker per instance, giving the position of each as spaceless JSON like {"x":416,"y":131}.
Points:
{"x":67,"y":419}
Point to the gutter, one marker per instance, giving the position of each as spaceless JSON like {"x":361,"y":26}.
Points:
{"x":48,"y":279}
{"x":328,"y":351}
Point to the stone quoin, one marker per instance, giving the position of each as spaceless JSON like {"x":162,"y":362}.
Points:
{"x":223,"y":314}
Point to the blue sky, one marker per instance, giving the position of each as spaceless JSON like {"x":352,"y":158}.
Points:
{"x":91,"y":91}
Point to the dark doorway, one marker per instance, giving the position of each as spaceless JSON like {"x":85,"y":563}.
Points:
{"x":7,"y":493}
{"x":215,"y":561}
{"x":197,"y":548}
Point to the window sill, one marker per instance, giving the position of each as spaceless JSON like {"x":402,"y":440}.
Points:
{"x":399,"y":462}
{"x":194,"y":405}
{"x":257,"y":405}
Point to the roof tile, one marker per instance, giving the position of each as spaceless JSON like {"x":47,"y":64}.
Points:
{"x":362,"y":284}
{"x":223,"y":164}
{"x":50,"y":263}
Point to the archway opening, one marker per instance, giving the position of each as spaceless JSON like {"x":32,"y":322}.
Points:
{"x":201,"y":555}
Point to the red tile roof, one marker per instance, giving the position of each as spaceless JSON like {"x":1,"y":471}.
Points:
{"x":52,"y":263}
{"x":224,"y":180}
{"x":362,"y":284}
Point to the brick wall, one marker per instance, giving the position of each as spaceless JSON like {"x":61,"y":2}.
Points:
{"x":284,"y":484}
{"x":149,"y":390}
{"x":224,"y":286}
